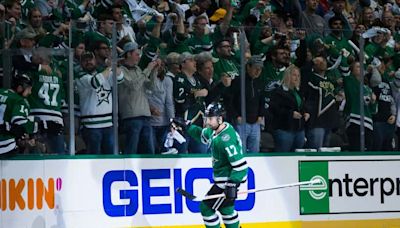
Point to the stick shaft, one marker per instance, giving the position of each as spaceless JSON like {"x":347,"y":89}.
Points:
{"x":260,"y":190}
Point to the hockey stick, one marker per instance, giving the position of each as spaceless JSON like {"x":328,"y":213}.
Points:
{"x":208,"y":197}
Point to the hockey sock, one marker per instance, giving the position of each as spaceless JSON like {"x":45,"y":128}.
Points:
{"x":211,"y":219}
{"x":230,"y":217}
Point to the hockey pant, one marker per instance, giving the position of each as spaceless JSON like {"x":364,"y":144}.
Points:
{"x":208,"y":210}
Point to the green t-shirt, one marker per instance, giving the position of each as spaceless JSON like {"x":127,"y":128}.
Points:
{"x":226,"y":66}
{"x":337,"y":45}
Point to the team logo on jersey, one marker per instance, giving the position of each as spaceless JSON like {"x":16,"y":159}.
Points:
{"x":225,"y":137}
{"x":103,"y":95}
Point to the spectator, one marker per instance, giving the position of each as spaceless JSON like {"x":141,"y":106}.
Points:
{"x":189,"y":98}
{"x":272,"y":75}
{"x":46,"y":7}
{"x":46,"y":100}
{"x":95,"y":99}
{"x":205,"y":73}
{"x":79,"y":48}
{"x":358,"y":30}
{"x":123,"y":29}
{"x":339,"y":10}
{"x":314,"y":24}
{"x":134,"y":105}
{"x":379,"y":47}
{"x":388,"y":21}
{"x":273,"y":70}
{"x":25,"y":40}
{"x":289,"y":113}
{"x":9,"y":24}
{"x":225,"y":65}
{"x":367,"y":17}
{"x":162,"y":107}
{"x":395,"y":86}
{"x":102,"y":54}
{"x":176,"y":36}
{"x":13,"y":13}
{"x":336,"y":38}
{"x":202,"y":39}
{"x":104,"y":31}
{"x":250,"y":128}
{"x":352,"y":109}
{"x":384,"y":119}
{"x":76,"y":9}
{"x":173,"y":64}
{"x":35,"y":23}
{"x":197,"y":9}
{"x":321,"y":104}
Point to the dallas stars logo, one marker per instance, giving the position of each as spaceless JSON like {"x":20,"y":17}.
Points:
{"x":328,"y":87}
{"x":103,"y":95}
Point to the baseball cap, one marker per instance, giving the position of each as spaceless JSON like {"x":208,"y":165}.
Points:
{"x":130,"y":46}
{"x":218,"y":15}
{"x":374,"y":31}
{"x":25,"y":34}
{"x":256,"y":60}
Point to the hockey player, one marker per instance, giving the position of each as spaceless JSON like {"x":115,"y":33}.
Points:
{"x":14,"y":110}
{"x":229,"y":166}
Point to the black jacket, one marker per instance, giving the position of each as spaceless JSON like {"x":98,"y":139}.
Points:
{"x":255,"y":105}
{"x":215,"y":89}
{"x":282,"y":105}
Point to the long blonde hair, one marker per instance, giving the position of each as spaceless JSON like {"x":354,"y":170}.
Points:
{"x":287,"y":80}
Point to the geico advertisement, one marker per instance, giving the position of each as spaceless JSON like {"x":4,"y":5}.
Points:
{"x":347,"y":186}
{"x":125,"y":190}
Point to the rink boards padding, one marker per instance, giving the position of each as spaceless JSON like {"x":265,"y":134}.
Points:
{"x":89,"y":191}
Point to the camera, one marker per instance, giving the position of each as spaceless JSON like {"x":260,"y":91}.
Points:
{"x":280,"y":36}
{"x":367,"y":99}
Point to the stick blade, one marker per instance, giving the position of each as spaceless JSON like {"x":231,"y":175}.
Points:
{"x":185,"y":193}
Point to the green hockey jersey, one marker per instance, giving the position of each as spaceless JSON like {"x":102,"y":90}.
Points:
{"x":14,"y":110}
{"x":271,"y":74}
{"x":228,"y":161}
{"x":47,"y":96}
{"x":352,"y":108}
{"x":186,"y":105}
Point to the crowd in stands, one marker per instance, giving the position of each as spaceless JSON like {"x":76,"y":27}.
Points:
{"x":303,"y":71}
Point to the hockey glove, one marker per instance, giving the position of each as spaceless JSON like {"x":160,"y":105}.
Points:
{"x":231,"y":190}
